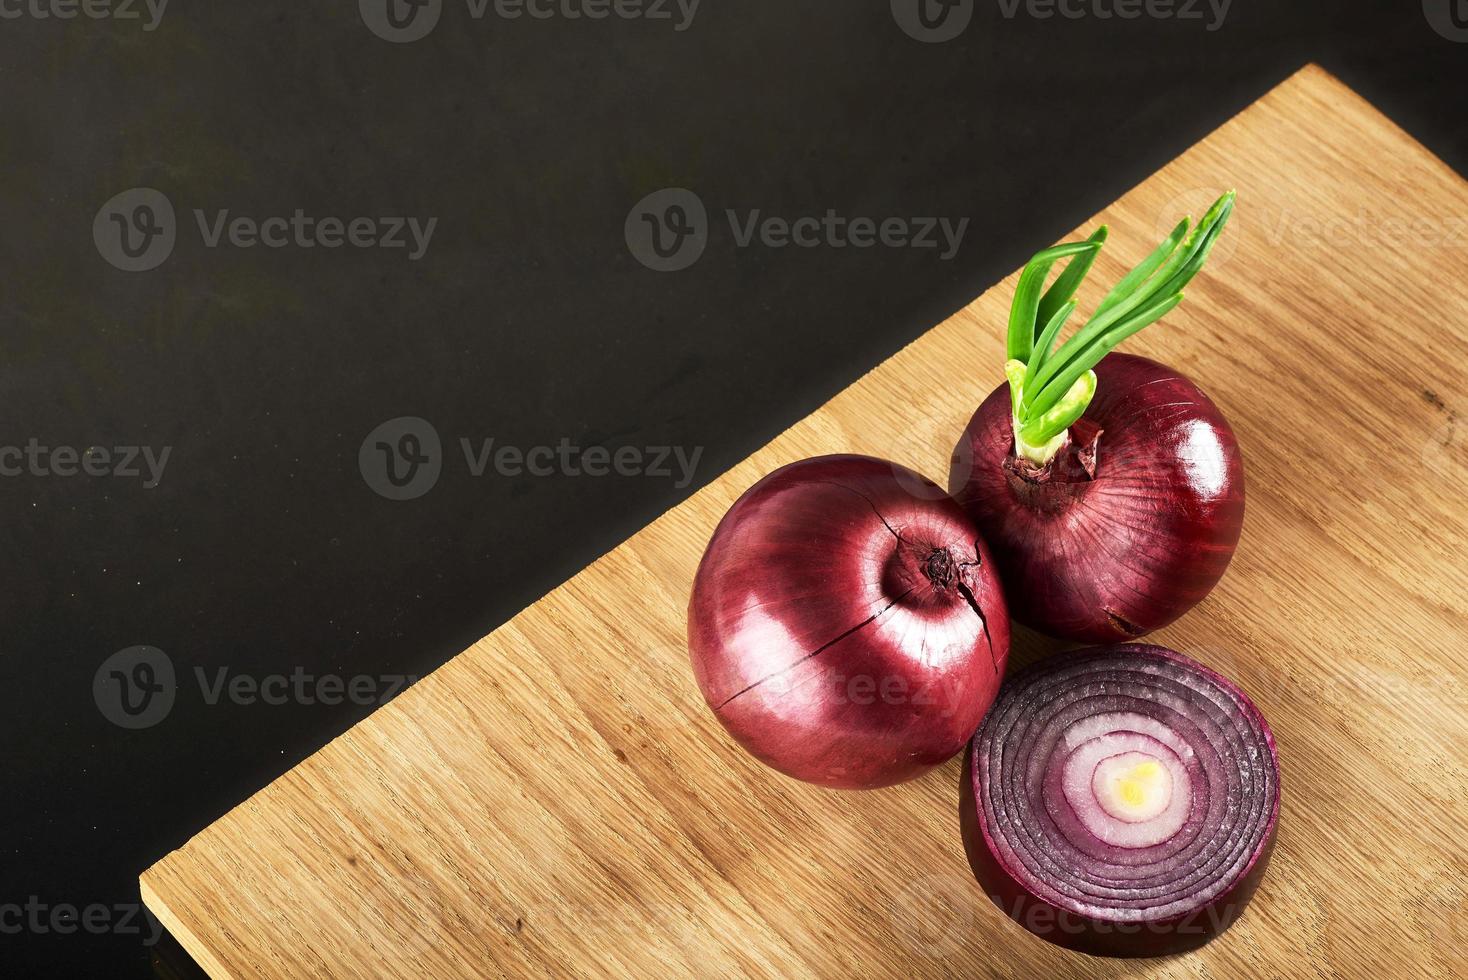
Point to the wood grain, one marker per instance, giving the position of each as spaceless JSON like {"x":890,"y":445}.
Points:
{"x":557,"y":800}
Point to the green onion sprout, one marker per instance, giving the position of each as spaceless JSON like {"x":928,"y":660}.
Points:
{"x":1051,"y":387}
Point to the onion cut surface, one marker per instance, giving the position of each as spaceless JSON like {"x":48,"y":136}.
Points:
{"x":1121,"y":801}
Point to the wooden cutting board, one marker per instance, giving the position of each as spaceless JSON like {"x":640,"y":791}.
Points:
{"x":557,"y":801}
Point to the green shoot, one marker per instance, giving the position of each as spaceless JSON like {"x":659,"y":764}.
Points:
{"x":1050,"y":388}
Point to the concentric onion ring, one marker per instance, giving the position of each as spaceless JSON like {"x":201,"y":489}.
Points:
{"x":1121,"y":801}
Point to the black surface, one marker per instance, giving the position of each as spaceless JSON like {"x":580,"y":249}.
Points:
{"x":263,"y":548}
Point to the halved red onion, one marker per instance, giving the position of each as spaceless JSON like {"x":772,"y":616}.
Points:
{"x":1121,"y":801}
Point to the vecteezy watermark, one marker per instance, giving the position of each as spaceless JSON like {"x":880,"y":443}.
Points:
{"x":1193,"y":203}
{"x":1448,"y":17}
{"x":1445,"y":450}
{"x":405,"y":21}
{"x":64,"y":919}
{"x":566,"y":458}
{"x":1041,"y":919}
{"x":1340,"y":687}
{"x":136,"y":231}
{"x":1193,"y":10}
{"x":1284,"y":228}
{"x":668,"y":231}
{"x":610,"y":922}
{"x":651,"y":687}
{"x":936,"y":916}
{"x":401,"y":21}
{"x":136,"y":688}
{"x":121,"y":10}
{"x":933,"y":21}
{"x":892,"y":689}
{"x":124,"y":462}
{"x":1368,"y":229}
{"x":932,"y":916}
{"x":403,"y":458}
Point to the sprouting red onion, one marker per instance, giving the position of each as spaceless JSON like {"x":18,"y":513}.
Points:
{"x":846,"y":624}
{"x":1121,"y":801}
{"x":1133,"y":522}
{"x":1110,"y":488}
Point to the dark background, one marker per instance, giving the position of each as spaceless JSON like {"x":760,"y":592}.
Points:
{"x":263,"y":548}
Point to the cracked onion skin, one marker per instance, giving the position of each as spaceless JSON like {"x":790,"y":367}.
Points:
{"x":1026,"y":834}
{"x":1108,"y":547}
{"x":846,"y":625}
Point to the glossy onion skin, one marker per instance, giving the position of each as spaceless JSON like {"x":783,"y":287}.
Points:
{"x":1113,"y":558}
{"x":1004,"y":802}
{"x":846,"y":624}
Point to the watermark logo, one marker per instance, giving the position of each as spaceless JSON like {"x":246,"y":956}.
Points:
{"x":1440,"y":917}
{"x":609,"y":922}
{"x":668,"y":230}
{"x":1448,"y":17}
{"x":658,"y":697}
{"x":565,"y":458}
{"x":135,"y":688}
{"x":1297,"y":908}
{"x":421,"y":916}
{"x":1367,"y":229}
{"x":41,"y":918}
{"x":1381,"y":226}
{"x":932,"y":916}
{"x":402,"y":458}
{"x":1194,"y":203}
{"x":1341,"y":688}
{"x":404,"y":21}
{"x":135,"y":231}
{"x":122,"y":10}
{"x":893,"y":690}
{"x":927,"y":436}
{"x":1191,"y":10}
{"x":1445,"y":450}
{"x":933,"y":21}
{"x":125,"y":462}
{"x":401,"y":21}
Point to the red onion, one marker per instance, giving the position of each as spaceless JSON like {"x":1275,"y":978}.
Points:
{"x":846,"y":624}
{"x":1127,"y":546}
{"x":1111,"y":491}
{"x":1121,"y":801}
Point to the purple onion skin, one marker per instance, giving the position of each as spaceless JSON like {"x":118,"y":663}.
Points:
{"x":1113,"y":558}
{"x":846,"y":625}
{"x":1071,"y":930}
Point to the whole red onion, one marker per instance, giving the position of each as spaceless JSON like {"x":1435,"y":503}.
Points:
{"x":1121,"y":801}
{"x":1110,"y":488}
{"x":1130,"y":526}
{"x":846,"y":625}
